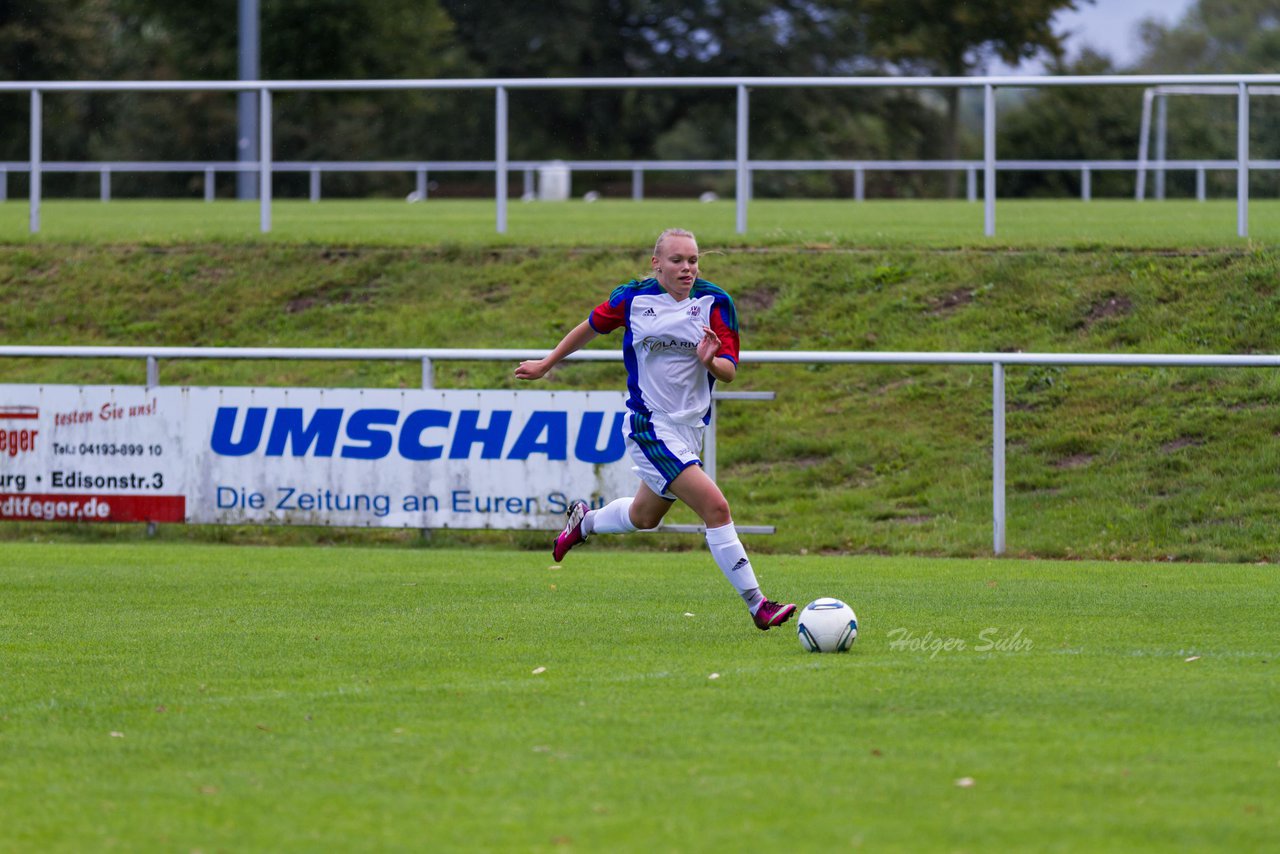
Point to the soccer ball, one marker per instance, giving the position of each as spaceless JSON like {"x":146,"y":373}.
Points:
{"x":827,"y":625}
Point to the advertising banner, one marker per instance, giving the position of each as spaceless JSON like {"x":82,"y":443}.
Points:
{"x":349,"y":457}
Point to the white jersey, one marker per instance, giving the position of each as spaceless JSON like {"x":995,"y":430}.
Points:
{"x":660,"y":349}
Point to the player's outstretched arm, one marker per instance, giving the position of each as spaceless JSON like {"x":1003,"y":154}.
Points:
{"x":577,"y":338}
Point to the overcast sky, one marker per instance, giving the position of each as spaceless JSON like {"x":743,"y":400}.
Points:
{"x":1110,"y":27}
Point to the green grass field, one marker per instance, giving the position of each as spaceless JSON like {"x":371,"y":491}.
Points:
{"x":883,"y":223}
{"x":194,"y":697}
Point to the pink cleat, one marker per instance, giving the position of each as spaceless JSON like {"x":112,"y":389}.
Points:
{"x":772,"y":614}
{"x":572,"y":534}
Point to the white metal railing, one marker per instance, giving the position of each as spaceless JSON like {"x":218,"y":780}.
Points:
{"x":428,"y":356}
{"x":315,"y":169}
{"x":741,"y":85}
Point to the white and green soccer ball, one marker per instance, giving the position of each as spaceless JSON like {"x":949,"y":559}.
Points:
{"x":827,"y":625}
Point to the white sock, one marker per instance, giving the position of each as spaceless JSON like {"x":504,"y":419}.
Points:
{"x":731,"y":557}
{"x":613,"y":518}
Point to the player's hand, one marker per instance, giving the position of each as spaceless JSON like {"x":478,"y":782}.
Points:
{"x":708,"y":346}
{"x":532,"y":369}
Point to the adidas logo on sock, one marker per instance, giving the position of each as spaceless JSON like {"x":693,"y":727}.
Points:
{"x":740,"y":564}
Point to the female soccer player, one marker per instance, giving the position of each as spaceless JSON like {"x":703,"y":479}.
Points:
{"x":681,"y":337}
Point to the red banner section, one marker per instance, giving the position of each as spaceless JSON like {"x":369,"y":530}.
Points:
{"x":93,"y":508}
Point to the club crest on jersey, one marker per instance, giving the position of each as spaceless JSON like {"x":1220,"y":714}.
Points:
{"x":695,"y":310}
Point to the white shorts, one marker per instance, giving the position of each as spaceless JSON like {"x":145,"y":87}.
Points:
{"x":660,"y":450}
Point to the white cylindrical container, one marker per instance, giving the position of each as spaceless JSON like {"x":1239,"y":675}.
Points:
{"x":553,"y":182}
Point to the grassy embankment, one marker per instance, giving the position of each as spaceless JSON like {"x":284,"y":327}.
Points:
{"x":1102,"y":462}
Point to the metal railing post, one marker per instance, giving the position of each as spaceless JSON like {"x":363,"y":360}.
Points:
{"x":859,"y":184}
{"x":420,"y":185}
{"x":743,"y":191}
{"x":1086,"y":184}
{"x":709,"y":444}
{"x":33,"y":217}
{"x":1144,"y":145}
{"x":997,"y":455}
{"x":4,"y":184}
{"x":314,"y":187}
{"x":989,"y":160}
{"x":1200,"y":192}
{"x":1162,"y":143}
{"x":500,"y":158}
{"x":971,"y":184}
{"x":1242,"y":162}
{"x":208,"y":185}
{"x":104,"y":185}
{"x":428,"y":382}
{"x":264,"y":160}
{"x":637,"y":185}
{"x":153,"y":372}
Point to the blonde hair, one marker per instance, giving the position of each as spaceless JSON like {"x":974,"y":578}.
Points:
{"x":672,"y":232}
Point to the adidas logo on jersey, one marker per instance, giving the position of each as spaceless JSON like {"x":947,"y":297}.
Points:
{"x":648,"y":312}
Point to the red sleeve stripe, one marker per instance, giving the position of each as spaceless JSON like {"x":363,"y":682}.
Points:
{"x":605,"y":317}
{"x":728,"y":336}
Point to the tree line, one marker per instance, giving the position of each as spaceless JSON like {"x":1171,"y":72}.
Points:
{"x":368,"y":39}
